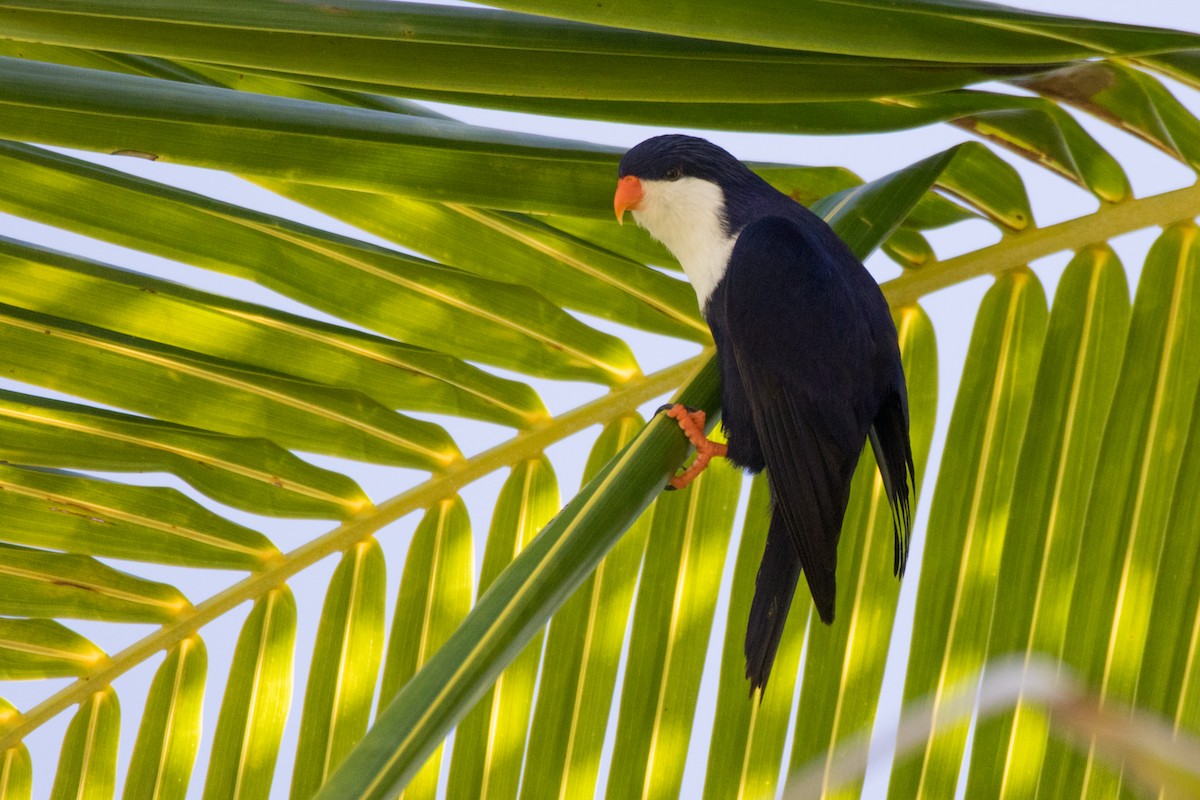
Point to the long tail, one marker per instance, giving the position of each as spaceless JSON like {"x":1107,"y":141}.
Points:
{"x":773,"y":590}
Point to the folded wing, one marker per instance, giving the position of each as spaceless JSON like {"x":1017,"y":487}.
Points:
{"x":812,"y":342}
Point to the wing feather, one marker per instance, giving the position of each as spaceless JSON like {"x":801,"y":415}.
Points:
{"x":804,"y":333}
{"x":809,"y":474}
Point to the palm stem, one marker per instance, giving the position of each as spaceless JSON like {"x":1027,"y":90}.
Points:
{"x":1019,"y":249}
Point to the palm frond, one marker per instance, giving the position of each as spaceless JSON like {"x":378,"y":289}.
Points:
{"x":462,"y":304}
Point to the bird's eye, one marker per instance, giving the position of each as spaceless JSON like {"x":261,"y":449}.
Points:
{"x":674,"y":174}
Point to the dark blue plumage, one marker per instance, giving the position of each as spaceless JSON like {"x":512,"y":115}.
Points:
{"x":809,"y":361}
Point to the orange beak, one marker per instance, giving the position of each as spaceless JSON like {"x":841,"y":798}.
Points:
{"x":629,"y":195}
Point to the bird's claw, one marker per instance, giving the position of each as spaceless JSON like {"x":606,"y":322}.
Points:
{"x":670,"y":406}
{"x":691,"y":422}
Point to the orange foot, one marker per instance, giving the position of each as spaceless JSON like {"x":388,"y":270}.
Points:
{"x":691,"y":421}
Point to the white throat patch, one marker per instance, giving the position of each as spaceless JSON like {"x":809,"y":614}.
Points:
{"x":687,"y":216}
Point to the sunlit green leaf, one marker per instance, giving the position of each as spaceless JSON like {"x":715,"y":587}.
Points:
{"x":750,"y":731}
{"x":36,"y":583}
{"x":87,"y":768}
{"x":323,"y":102}
{"x":909,"y":249}
{"x":677,"y":596}
{"x":345,"y":667}
{"x":169,"y":736}
{"x":489,"y":744}
{"x":445,"y":309}
{"x":256,"y":701}
{"x":16,"y":768}
{"x":435,"y":594}
{"x":193,"y":389}
{"x":1139,"y":461}
{"x":520,"y":249}
{"x":971,"y":504}
{"x":252,"y":474}
{"x":554,"y":565}
{"x":80,"y":515}
{"x":1170,"y":677}
{"x":583,"y":644}
{"x":1046,"y":531}
{"x":41,"y":648}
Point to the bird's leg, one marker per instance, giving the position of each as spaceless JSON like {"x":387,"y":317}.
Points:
{"x":691,"y":422}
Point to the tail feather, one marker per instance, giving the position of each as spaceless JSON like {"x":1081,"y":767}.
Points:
{"x":893,"y":452}
{"x":773,"y":590}
{"x":780,"y":569}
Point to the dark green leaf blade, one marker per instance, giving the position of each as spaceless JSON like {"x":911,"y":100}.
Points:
{"x":980,"y":177}
{"x":832,"y":117}
{"x":493,"y":53}
{"x":949,"y":30}
{"x":1051,"y":137}
{"x":864,"y":216}
{"x":841,"y":117}
{"x":1183,"y":66}
{"x":273,"y":137}
{"x":1126,"y":97}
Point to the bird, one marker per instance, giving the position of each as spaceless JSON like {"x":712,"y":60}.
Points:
{"x":808,"y":356}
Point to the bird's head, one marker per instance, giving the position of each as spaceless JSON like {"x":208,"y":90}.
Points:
{"x":685,"y":192}
{"x":673,"y":171}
